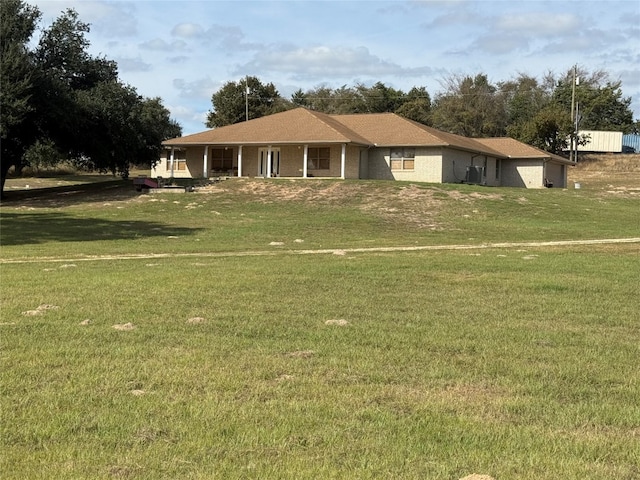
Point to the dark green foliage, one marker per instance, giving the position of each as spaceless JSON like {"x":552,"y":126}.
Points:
{"x":548,"y":129}
{"x":472,"y":107}
{"x":601,"y":105}
{"x":121,"y":128}
{"x":378,"y":98}
{"x":231,"y":101}
{"x":17,"y":24}
{"x":59,"y":101}
{"x":533,"y":111}
{"x":417,"y":106}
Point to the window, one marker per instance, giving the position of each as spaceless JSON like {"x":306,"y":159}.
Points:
{"x":221,"y":159}
{"x":497,"y":169}
{"x":318,"y":158}
{"x":179,"y":160}
{"x":403,"y":158}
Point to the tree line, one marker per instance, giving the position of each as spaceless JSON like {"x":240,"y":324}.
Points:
{"x":60,"y":103}
{"x":536,"y":112}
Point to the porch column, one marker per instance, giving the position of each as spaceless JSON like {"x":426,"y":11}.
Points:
{"x":171,"y":160}
{"x":240,"y":161}
{"x":269,"y":161}
{"x":343,"y":160}
{"x":205,"y":166}
{"x":305,"y":157}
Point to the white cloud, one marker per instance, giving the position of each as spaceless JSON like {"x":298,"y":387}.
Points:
{"x":458,"y":18}
{"x":163,"y":46}
{"x":178,"y":59}
{"x":201,"y":88}
{"x":499,"y":44}
{"x":110,"y":19}
{"x":630,"y":78}
{"x":539,"y":24}
{"x":133,"y":65}
{"x":324,"y":62}
{"x":187,"y":30}
{"x":191,"y":119}
{"x":231,"y":39}
{"x":587,"y":41}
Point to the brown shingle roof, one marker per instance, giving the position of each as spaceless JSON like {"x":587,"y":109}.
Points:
{"x":300,"y":126}
{"x":512,"y":148}
{"x":293,"y":126}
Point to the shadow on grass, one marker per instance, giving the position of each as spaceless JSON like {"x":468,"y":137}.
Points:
{"x":33,"y":228}
{"x":66,"y":195}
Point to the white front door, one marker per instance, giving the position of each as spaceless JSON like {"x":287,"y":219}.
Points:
{"x":268,"y":166}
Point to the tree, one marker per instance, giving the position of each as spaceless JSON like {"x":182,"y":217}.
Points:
{"x":346,"y":100}
{"x":59,"y":101}
{"x":549,"y":129}
{"x":379,"y":98}
{"x":524,"y":97}
{"x":121,"y":128}
{"x":538,"y":113}
{"x":600,"y":102}
{"x":298,"y":98}
{"x":470,"y":106}
{"x":17,"y":71}
{"x":231,"y":101}
{"x":417,"y":106}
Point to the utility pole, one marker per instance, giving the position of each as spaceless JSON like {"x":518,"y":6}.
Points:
{"x":575,"y":156}
{"x":574,"y":118}
{"x":246,"y":100}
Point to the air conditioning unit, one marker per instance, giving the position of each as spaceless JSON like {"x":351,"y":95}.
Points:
{"x":475,"y":174}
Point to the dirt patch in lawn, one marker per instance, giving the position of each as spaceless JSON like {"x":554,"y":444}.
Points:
{"x":403,"y":203}
{"x":39,"y":310}
{"x":124,"y":327}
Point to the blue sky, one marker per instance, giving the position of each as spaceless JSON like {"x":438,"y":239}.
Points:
{"x":184,"y":51}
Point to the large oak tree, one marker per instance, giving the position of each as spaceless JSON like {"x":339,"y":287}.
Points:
{"x":59,"y":98}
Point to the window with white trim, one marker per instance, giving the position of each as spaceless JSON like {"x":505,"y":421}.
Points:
{"x":402,"y":158}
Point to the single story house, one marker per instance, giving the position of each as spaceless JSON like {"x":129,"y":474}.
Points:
{"x":302,"y":143}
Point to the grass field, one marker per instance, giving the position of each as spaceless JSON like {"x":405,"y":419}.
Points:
{"x":198,"y":336}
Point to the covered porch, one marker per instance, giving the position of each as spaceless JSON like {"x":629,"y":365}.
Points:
{"x":267,"y":161}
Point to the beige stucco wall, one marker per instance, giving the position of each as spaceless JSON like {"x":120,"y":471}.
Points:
{"x":194,"y":165}
{"x":493,"y":172}
{"x":455,"y":163}
{"x":523,"y":173}
{"x":378,"y":167}
{"x":427,"y":165}
{"x":433,"y":165}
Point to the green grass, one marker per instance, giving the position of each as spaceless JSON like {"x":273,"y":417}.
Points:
{"x":244,"y":214}
{"x":516,"y":363}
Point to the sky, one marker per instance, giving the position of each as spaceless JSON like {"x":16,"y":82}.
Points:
{"x":184,"y":51}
